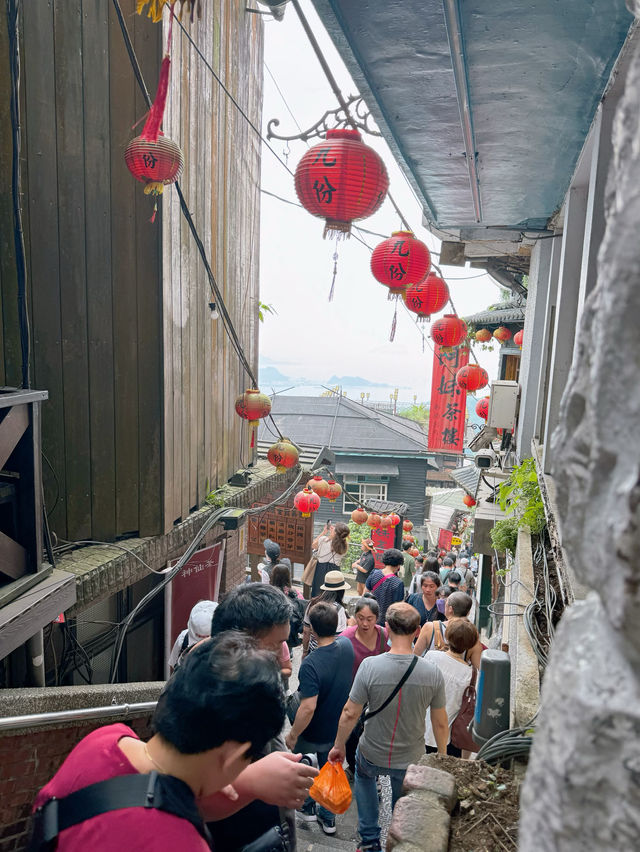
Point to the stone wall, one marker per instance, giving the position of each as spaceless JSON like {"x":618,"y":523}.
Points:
{"x":582,"y":789}
{"x":422,"y":816}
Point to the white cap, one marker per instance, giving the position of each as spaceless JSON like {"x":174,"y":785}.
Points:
{"x":464,"y":561}
{"x":199,"y":625}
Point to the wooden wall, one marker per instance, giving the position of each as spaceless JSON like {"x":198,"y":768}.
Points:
{"x":139,"y":423}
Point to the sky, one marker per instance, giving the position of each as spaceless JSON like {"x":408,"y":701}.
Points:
{"x":309,"y":336}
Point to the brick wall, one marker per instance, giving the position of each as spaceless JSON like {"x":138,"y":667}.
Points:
{"x":29,"y":759}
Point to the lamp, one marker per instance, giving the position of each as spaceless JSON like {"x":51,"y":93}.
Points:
{"x":214,"y":311}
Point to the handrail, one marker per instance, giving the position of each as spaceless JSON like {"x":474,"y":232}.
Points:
{"x":33,"y":720}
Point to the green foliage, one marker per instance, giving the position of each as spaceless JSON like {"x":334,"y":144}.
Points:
{"x":356,"y":533}
{"x":217,"y":498}
{"x":264,"y":309}
{"x":521,"y":500}
{"x":418,"y":412}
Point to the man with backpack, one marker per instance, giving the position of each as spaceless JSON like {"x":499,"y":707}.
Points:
{"x":398,"y":689}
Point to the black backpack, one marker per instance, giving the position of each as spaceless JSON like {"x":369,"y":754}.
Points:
{"x":163,"y":792}
{"x":296,"y":620}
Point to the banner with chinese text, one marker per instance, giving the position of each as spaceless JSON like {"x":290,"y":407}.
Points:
{"x":448,"y":402}
{"x":445,"y":538}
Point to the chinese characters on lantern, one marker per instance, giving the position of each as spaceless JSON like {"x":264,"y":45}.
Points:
{"x":448,"y":401}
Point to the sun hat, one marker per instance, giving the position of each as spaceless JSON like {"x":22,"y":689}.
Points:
{"x":334,"y":581}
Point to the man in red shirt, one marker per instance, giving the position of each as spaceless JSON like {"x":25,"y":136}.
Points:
{"x":206,"y":733}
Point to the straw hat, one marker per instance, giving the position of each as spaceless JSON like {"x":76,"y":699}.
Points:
{"x":334,"y":581}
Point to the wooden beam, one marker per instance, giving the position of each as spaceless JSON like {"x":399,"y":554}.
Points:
{"x":12,"y":428}
{"x":13,"y":558}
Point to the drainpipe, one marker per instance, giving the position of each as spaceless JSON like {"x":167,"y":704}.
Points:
{"x":35,"y":650}
{"x":458,"y":60}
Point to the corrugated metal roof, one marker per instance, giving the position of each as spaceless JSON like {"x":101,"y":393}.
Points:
{"x":387,"y":506}
{"x":366,"y":467}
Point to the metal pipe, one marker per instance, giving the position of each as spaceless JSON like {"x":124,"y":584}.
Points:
{"x":34,"y":720}
{"x":35,"y":653}
{"x":458,"y":59}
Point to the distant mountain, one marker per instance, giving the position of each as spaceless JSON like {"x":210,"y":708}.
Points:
{"x":354,"y":382}
{"x":271,"y":375}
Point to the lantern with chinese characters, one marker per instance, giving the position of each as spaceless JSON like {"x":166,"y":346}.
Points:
{"x":306,"y":502}
{"x":283,"y":455}
{"x":385,"y":522}
{"x":482,"y":407}
{"x":427,"y":297}
{"x":253,"y":406}
{"x":333,"y":490}
{"x":373,"y":520}
{"x":472,"y":378}
{"x":359,"y":516}
{"x":319,"y":486}
{"x":449,"y":331}
{"x":395,"y":519}
{"x":341,"y":180}
{"x":155,"y":164}
{"x":483,"y":335}
{"x":518,"y":337}
{"x":399,"y":261}
{"x":468,"y":501}
{"x":407,"y":526}
{"x":502,"y":334}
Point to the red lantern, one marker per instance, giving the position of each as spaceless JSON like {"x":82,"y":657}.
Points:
{"x":385,"y":522}
{"x":253,"y":406}
{"x":449,"y":331}
{"x":413,"y":551}
{"x":333,"y":490}
{"x":468,"y":501}
{"x":155,"y":164}
{"x":409,"y":537}
{"x":373,"y":520}
{"x":502,"y":334}
{"x":283,"y":455}
{"x":482,"y":407}
{"x":407,"y":526}
{"x":359,"y":516}
{"x":427,"y":297}
{"x":341,"y":180}
{"x":306,"y":502}
{"x":319,"y":486}
{"x":518,"y":338}
{"x":483,"y":335}
{"x":399,"y":261}
{"x":472,"y":377}
{"x":395,"y":519}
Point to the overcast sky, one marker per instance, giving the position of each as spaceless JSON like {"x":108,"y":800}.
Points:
{"x":311,"y":336}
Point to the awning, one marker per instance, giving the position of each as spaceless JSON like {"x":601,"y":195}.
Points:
{"x":368,"y":468}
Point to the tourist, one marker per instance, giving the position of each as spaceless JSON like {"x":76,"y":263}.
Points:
{"x":426,"y":602}
{"x":394,"y":732}
{"x":198,"y":628}
{"x":332,"y":592}
{"x":325,"y":680}
{"x":461,"y":636}
{"x":457,"y":606}
{"x":281,"y":579}
{"x":364,"y":565}
{"x":446,"y":569}
{"x":206,"y":733}
{"x":430,"y":563}
{"x":468,"y":581}
{"x":409,"y":564}
{"x":330,"y":546}
{"x":385,"y":585}
{"x":271,"y":559}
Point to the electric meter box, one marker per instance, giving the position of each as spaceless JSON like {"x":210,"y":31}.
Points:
{"x":503,"y":404}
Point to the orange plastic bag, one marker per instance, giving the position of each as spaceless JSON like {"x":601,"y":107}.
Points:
{"x":331,"y":788}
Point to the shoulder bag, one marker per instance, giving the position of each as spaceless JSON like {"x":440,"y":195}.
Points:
{"x":397,"y":689}
{"x":460,"y":730}
{"x":310,"y":569}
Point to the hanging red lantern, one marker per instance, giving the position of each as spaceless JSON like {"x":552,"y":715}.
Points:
{"x":482,"y":407}
{"x":518,"y":337}
{"x":318,"y":485}
{"x":407,"y":526}
{"x":483,"y":335}
{"x":472,"y":377}
{"x":253,"y":406}
{"x":306,"y":502}
{"x":449,"y":331}
{"x":413,"y":551}
{"x":502,"y":334}
{"x":283,"y":455}
{"x":373,"y":520}
{"x":333,"y":490}
{"x":468,"y":501}
{"x":395,"y":519}
{"x":341,"y":180}
{"x":409,"y":538}
{"x":385,"y":522}
{"x":427,"y":297}
{"x":399,"y":261}
{"x":359,"y":516}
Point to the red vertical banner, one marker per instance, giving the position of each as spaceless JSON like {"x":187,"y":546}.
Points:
{"x":383,"y":540}
{"x":444,"y":539}
{"x":448,"y":402}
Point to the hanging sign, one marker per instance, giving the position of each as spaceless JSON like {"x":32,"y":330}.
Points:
{"x":448,"y":401}
{"x":444,"y":539}
{"x":456,"y":541}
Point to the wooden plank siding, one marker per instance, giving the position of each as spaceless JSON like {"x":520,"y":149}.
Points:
{"x":140,"y":424}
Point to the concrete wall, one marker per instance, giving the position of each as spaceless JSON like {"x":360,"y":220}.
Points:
{"x":581,"y":790}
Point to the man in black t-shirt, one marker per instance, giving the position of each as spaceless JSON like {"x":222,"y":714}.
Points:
{"x":385,"y":585}
{"x":325,"y":681}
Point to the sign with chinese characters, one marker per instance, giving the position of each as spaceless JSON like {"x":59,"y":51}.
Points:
{"x":444,"y":539}
{"x":385,"y":539}
{"x":283,"y":524}
{"x":456,"y":541}
{"x":448,"y":401}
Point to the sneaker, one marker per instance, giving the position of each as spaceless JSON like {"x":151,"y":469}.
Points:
{"x":307,"y":812}
{"x":327,"y":823}
{"x":372,"y":846}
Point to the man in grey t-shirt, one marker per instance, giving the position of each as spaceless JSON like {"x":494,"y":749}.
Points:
{"x":394,"y":737}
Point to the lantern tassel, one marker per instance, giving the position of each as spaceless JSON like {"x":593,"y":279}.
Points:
{"x":153,"y":215}
{"x":394,"y":322}
{"x":335,"y":272}
{"x":253,"y":437}
{"x":152,"y":125}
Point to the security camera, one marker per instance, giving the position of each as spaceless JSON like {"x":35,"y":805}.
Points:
{"x":486,"y":459}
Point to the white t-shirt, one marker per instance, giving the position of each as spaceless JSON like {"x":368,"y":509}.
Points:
{"x":325,"y":552}
{"x":457,"y":677}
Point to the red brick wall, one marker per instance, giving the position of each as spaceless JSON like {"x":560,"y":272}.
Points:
{"x":235,"y":560}
{"x":28,"y":760}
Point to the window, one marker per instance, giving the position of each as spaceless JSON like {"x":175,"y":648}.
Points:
{"x":355,"y":493}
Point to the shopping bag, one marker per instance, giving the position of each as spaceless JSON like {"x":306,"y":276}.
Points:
{"x":331,"y":788}
{"x":309,"y":571}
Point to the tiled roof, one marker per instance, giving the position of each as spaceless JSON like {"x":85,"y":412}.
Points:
{"x":468,"y":477}
{"x":510,"y":311}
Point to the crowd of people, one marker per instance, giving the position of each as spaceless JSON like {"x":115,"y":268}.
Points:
{"x":375,"y":692}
